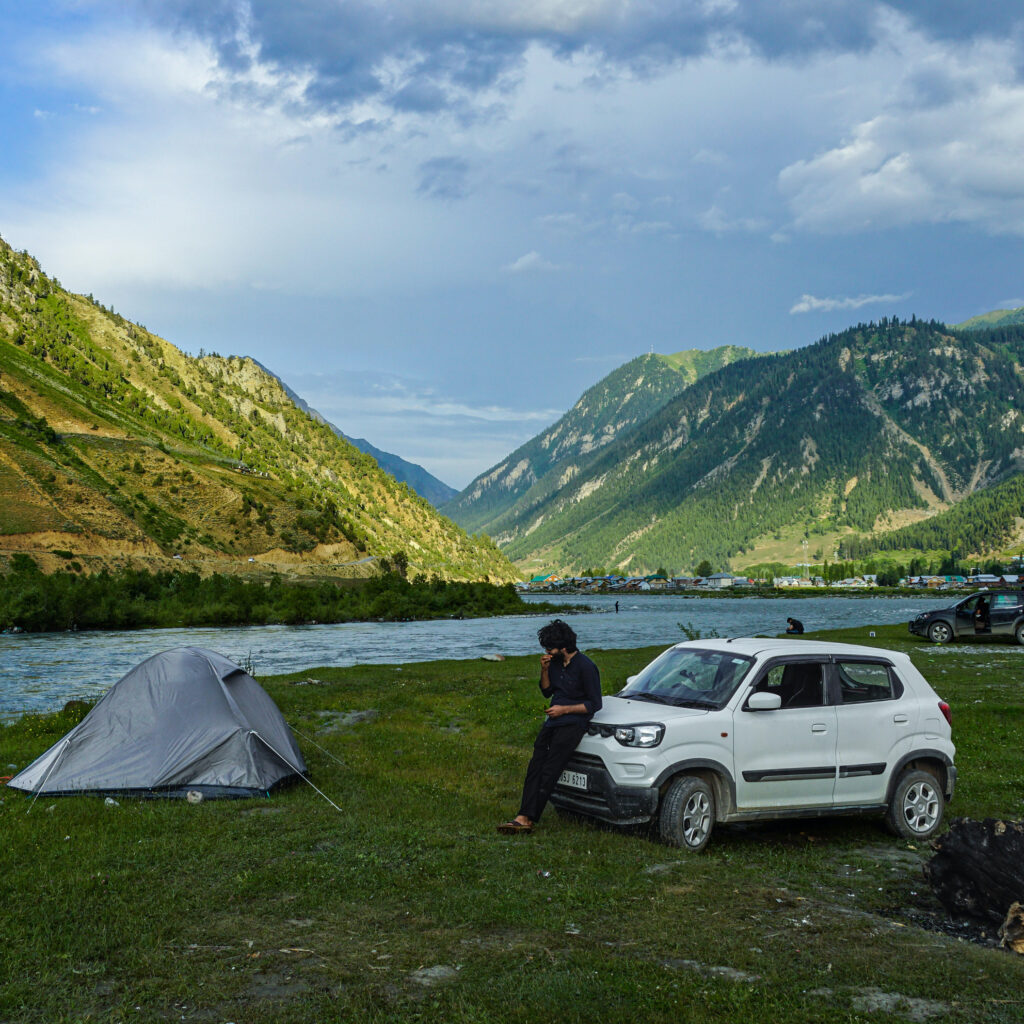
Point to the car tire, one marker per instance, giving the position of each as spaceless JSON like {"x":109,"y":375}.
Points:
{"x":687,"y":814}
{"x":1020,"y":634}
{"x":917,"y":805}
{"x":940,"y":633}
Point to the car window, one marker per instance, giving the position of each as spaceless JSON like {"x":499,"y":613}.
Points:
{"x":689,"y":675}
{"x":861,"y":682}
{"x":800,"y":684}
{"x":1005,"y":600}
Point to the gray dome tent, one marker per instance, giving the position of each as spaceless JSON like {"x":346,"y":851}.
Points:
{"x":186,"y":719}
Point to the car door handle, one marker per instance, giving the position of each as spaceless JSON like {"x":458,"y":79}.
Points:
{"x":819,"y":727}
{"x":900,"y":719}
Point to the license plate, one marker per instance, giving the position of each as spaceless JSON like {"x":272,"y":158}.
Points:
{"x":578,"y":780}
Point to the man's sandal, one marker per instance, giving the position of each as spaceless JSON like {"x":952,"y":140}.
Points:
{"x":511,"y":828}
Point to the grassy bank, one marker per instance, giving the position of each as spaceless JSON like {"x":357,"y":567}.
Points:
{"x":408,"y":906}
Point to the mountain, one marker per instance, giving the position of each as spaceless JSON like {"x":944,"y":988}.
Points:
{"x":424,"y":483}
{"x":117,"y":448}
{"x":997,"y":318}
{"x":867,"y":430}
{"x":627,"y":397}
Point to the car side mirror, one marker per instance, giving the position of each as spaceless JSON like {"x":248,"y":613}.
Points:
{"x":764,"y":701}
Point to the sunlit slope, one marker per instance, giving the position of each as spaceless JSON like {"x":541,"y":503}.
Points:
{"x":627,"y":397}
{"x":869,"y":429}
{"x":114,"y":444}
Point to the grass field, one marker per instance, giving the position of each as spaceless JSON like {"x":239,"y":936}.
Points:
{"x":409,"y":906}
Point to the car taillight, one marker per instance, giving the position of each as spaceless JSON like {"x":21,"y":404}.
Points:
{"x":946,"y":713}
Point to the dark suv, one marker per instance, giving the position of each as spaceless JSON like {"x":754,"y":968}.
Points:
{"x":987,"y":615}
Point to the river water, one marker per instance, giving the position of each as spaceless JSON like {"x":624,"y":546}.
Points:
{"x":40,"y":671}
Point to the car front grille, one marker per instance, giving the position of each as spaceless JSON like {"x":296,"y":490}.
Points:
{"x":585,"y":762}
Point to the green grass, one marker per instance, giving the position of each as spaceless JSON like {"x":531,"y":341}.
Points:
{"x":284,"y":910}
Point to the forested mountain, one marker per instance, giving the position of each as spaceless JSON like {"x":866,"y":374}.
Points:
{"x":883,"y":418}
{"x":987,"y":520}
{"x":116,"y":447}
{"x":627,"y":397}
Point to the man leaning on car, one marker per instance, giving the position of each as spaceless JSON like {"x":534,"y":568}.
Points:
{"x":573,"y":684}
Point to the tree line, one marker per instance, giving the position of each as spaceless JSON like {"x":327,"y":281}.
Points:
{"x":135,"y":599}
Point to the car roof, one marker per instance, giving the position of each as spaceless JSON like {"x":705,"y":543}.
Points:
{"x":769,"y":647}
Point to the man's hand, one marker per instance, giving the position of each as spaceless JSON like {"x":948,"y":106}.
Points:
{"x":557,"y":710}
{"x":545,"y":660}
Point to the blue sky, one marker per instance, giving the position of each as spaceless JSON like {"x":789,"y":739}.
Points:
{"x":441,"y":220}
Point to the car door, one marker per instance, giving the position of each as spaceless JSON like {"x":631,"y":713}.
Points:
{"x":875,"y":723}
{"x":786,"y":757}
{"x":1005,"y":611}
{"x":965,"y":616}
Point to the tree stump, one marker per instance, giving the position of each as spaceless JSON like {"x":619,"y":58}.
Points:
{"x":978,"y":871}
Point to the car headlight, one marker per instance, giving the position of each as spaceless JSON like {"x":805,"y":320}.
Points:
{"x":648,"y":734}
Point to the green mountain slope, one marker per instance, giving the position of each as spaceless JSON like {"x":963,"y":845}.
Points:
{"x":997,"y":318}
{"x":115,"y":446}
{"x":424,"y":483}
{"x":988,"y":520}
{"x":837,"y":436}
{"x":627,"y":397}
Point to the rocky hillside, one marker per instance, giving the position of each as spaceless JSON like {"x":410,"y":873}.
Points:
{"x":424,"y":483}
{"x":624,"y":399}
{"x":117,"y":448}
{"x":860,"y":433}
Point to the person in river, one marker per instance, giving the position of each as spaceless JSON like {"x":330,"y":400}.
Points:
{"x":794,"y":626}
{"x":572,"y":683}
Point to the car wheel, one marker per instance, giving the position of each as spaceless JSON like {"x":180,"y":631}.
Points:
{"x":940,"y":633}
{"x":917,"y":805}
{"x":687,"y":814}
{"x":1020,"y":634}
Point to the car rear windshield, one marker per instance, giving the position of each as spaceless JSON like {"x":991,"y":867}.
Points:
{"x":689,"y":677}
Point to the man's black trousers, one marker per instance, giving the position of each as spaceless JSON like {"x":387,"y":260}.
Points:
{"x":551,"y":751}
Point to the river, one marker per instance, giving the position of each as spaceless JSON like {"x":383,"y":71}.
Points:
{"x":40,"y":671}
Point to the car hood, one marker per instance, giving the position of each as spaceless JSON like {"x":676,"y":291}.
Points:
{"x":622,"y":711}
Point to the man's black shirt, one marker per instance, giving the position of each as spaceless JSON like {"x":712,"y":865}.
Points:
{"x":579,"y":682}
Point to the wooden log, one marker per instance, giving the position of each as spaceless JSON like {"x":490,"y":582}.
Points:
{"x":978,"y":868}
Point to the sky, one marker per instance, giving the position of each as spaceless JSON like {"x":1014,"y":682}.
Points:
{"x":440,"y":221}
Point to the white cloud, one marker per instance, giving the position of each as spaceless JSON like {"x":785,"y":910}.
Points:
{"x":716,"y":220}
{"x":945,"y":148}
{"x":452,"y":438}
{"x":811,"y":304}
{"x":531,"y":262}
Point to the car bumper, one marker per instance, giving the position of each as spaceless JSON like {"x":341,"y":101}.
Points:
{"x":918,"y":628}
{"x":603,"y":798}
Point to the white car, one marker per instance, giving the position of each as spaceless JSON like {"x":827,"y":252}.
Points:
{"x":719,"y":731}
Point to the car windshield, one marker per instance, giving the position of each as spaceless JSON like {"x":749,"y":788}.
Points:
{"x":688,"y":677}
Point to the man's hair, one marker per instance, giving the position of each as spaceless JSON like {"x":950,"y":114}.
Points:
{"x":557,"y":634}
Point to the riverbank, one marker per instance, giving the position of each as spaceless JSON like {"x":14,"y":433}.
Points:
{"x":33,"y":602}
{"x":408,"y":906}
